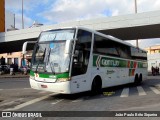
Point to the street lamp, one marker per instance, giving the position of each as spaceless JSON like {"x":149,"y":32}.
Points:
{"x":22,"y":16}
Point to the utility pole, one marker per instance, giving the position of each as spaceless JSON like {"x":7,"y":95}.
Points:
{"x":135,"y":4}
{"x":22,"y":16}
{"x":14,"y":21}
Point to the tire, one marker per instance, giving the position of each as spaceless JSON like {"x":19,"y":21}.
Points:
{"x":136,"y":79}
{"x":140,"y":78}
{"x":96,"y":86}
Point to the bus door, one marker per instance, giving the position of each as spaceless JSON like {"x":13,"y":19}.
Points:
{"x":80,"y":72}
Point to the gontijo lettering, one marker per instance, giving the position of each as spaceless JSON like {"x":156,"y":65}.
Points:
{"x":114,"y":63}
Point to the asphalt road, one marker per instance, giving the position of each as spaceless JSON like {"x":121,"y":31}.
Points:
{"x":14,"y":83}
{"x":16,"y":95}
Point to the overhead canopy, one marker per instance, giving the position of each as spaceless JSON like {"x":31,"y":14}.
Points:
{"x":7,"y":47}
{"x":126,"y":27}
{"x":132,"y":33}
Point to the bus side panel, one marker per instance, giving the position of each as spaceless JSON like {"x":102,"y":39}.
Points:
{"x":80,"y":83}
{"x":112,"y":76}
{"x":142,"y":71}
{"x":117,"y":76}
{"x":117,"y":71}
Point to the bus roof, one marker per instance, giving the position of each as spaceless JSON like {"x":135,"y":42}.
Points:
{"x":101,"y":34}
{"x":110,"y":37}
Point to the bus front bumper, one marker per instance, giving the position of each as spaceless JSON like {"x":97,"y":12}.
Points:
{"x":58,"y":87}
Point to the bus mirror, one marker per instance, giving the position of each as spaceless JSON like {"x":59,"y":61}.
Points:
{"x":25,"y":46}
{"x":76,"y":53}
{"x":68,"y":46}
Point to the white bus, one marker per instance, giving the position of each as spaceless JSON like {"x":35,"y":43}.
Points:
{"x":77,"y":59}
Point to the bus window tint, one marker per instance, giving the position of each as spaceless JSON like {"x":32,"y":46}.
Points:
{"x":113,"y":48}
{"x":104,"y":46}
{"x":124,"y":51}
{"x":138,"y":54}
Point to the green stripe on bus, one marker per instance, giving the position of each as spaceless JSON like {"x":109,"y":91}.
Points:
{"x":31,"y":73}
{"x":105,"y":61}
{"x":42,"y":75}
{"x":63,"y":75}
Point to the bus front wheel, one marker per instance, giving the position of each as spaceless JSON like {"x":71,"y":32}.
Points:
{"x":96,"y":86}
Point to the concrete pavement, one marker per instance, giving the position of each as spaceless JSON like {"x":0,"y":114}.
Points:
{"x":17,"y":95}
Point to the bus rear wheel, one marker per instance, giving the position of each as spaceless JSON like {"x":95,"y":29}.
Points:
{"x":138,"y":79}
{"x":96,"y":86}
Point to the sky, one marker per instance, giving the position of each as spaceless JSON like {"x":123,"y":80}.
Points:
{"x":49,"y":12}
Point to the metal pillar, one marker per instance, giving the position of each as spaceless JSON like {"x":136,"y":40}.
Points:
{"x":22,"y":16}
{"x":135,"y":2}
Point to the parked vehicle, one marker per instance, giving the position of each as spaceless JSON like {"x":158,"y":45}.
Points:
{"x":5,"y":68}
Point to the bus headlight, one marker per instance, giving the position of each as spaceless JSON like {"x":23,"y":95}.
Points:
{"x":63,"y":79}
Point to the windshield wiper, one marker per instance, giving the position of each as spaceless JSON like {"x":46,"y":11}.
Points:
{"x":47,"y":61}
{"x":50,"y":63}
{"x":37,"y":67}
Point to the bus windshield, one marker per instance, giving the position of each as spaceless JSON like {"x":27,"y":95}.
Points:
{"x":49,"y":55}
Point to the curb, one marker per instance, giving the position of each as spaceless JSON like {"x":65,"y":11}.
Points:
{"x":9,"y":76}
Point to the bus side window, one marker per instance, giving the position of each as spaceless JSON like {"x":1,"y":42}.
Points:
{"x":124,"y":51}
{"x":82,"y":53}
{"x":138,"y":54}
{"x":105,"y":46}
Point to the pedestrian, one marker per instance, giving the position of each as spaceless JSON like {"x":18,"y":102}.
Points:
{"x":12,"y":69}
{"x":152,"y":69}
{"x":156,"y":70}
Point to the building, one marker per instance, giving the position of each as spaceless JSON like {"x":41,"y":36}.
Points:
{"x":2,"y":15}
{"x":153,"y":55}
{"x":9,"y":21}
{"x":10,"y":58}
{"x":7,"y":18}
{"x":17,"y":58}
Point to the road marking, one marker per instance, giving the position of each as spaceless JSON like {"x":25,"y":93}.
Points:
{"x":11,"y":102}
{"x":78,"y":100}
{"x":158,"y":85}
{"x":141,"y":91}
{"x":57,"y":101}
{"x":125,"y":92}
{"x":43,"y":92}
{"x":27,"y":88}
{"x":7,"y":103}
{"x":155,"y":90}
{"x":28,"y":103}
{"x":17,"y":89}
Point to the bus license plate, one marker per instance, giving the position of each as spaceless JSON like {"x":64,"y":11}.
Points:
{"x":44,"y":86}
